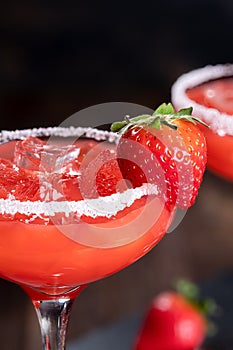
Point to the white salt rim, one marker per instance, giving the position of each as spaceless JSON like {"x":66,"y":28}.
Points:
{"x":103,"y":206}
{"x":6,"y":135}
{"x":220,"y":123}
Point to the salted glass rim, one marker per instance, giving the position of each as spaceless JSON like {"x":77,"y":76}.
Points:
{"x":106,"y":206}
{"x":221,"y":123}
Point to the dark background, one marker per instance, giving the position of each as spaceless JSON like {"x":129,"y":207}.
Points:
{"x":57,"y":57}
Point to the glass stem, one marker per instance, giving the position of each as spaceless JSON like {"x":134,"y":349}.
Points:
{"x":53,"y":317}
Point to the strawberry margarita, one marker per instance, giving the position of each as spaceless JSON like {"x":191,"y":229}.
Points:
{"x":101,"y":232}
{"x":79,"y":204}
{"x":210,"y":91}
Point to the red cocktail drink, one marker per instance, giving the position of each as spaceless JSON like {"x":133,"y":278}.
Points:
{"x":68,"y":222}
{"x":210,"y":91}
{"x":79,"y":204}
{"x":52,"y":253}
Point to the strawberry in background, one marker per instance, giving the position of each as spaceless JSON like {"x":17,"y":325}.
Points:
{"x":176,"y":320}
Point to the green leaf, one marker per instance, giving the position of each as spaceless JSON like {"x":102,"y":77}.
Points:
{"x":140,"y":117}
{"x":156,"y":123}
{"x":118,"y":126}
{"x":200,"y":121}
{"x":207,"y":307}
{"x":184,"y":111}
{"x":164,"y":114}
{"x":165,"y":108}
{"x":210,"y":307}
{"x":188,"y":289}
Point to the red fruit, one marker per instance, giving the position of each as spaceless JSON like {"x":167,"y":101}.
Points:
{"x":101,"y":176}
{"x":16,"y":182}
{"x":94,"y":182}
{"x":70,"y":188}
{"x":167,"y":149}
{"x":171,"y":323}
{"x":141,"y":155}
{"x":109,"y":178}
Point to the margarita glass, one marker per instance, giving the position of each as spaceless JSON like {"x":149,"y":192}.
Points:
{"x":57,"y":236}
{"x":209,"y":91}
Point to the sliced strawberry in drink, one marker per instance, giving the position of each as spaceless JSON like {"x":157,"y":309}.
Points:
{"x":109,"y":179}
{"x":70,"y":187}
{"x":101,"y":176}
{"x":15,"y":182}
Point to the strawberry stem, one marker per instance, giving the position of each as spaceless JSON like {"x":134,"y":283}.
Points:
{"x":207,"y":306}
{"x":188,"y":289}
{"x":163,"y":115}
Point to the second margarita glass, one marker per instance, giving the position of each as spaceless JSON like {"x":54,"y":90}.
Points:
{"x":209,"y":91}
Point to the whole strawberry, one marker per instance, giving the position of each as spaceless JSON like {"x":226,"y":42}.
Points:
{"x":166,"y":149}
{"x":175,"y":321}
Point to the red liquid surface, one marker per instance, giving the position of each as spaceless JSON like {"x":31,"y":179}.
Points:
{"x":217,"y":94}
{"x":42,"y":257}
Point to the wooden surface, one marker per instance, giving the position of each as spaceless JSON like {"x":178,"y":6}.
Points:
{"x":200,"y":248}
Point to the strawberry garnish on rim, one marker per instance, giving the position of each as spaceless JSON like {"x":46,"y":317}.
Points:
{"x":167,"y":149}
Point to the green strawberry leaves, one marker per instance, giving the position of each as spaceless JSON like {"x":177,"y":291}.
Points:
{"x":118,"y":126}
{"x":184,"y":112}
{"x":164,"y":108}
{"x":191,"y":292}
{"x":156,"y":123}
{"x":206,"y":306}
{"x":163,"y":115}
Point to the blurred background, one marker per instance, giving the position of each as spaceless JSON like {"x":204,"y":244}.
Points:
{"x":57,"y":57}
